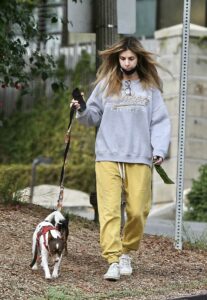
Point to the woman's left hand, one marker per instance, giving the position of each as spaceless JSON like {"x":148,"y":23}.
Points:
{"x":157,"y":160}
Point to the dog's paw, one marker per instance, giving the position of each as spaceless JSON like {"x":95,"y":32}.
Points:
{"x":48,"y":276}
{"x":55,"y":275}
{"x":35,"y":267}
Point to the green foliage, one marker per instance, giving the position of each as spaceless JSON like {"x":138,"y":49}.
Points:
{"x":41,"y":132}
{"x":63,"y":293}
{"x":18,"y":29}
{"x":193,"y":241}
{"x":12,"y":179}
{"x":197,"y":206}
{"x":163,"y":174}
{"x":83,"y":73}
{"x":16,"y":177}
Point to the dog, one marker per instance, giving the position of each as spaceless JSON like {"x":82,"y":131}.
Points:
{"x":61,"y":223}
{"x":50,"y":239}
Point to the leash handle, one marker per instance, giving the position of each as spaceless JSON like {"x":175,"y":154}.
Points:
{"x":78,"y":96}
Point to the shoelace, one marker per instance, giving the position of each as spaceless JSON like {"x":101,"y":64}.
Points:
{"x":114,"y":265}
{"x":125,"y":261}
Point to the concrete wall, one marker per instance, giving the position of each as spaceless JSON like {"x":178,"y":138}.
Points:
{"x":169,"y":51}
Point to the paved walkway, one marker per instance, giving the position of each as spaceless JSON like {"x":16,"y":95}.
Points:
{"x":191,"y":231}
{"x":193,"y":297}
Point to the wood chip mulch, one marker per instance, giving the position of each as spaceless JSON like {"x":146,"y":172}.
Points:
{"x":160,"y":271}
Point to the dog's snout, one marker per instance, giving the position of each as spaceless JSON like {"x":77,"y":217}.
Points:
{"x":56,"y":258}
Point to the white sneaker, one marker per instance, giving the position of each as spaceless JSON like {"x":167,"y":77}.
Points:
{"x":125,"y":265}
{"x":113,"y":272}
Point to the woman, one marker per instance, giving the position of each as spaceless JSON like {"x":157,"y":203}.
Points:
{"x":133,"y":132}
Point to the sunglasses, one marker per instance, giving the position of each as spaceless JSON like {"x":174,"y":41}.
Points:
{"x":127,"y":88}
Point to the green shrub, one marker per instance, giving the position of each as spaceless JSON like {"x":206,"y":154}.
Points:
{"x":12,"y":179}
{"x":40,"y":132}
{"x":84,"y":72}
{"x":197,"y":206}
{"x":16,"y":177}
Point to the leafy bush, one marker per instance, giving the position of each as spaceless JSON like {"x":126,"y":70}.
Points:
{"x":16,"y":177}
{"x":197,"y":206}
{"x":84,"y":72}
{"x":12,"y":179}
{"x":17,"y":20}
{"x":40,"y":132}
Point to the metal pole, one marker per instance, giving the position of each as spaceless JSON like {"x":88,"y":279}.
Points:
{"x":182,"y":121}
{"x":106,"y":35}
{"x":106,"y":24}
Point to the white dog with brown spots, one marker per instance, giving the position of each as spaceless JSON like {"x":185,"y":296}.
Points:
{"x":48,"y":242}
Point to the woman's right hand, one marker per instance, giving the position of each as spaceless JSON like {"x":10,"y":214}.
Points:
{"x":74,"y":103}
{"x":79,"y":104}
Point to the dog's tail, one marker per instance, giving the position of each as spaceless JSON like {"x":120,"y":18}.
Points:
{"x":34,"y":259}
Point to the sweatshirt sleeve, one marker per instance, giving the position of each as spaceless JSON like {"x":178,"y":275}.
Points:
{"x":160,"y":125}
{"x":92,"y":115}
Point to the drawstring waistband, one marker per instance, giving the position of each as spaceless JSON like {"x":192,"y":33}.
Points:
{"x":121,"y":167}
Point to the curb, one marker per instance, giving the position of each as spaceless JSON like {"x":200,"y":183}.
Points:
{"x":195,"y":297}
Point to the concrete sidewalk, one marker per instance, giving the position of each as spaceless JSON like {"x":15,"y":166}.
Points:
{"x":191,"y":231}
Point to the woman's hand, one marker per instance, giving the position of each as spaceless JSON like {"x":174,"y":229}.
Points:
{"x":75,"y":104}
{"x":157,"y":160}
{"x":80,"y":104}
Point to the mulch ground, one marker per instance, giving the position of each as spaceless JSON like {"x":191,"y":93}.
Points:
{"x":160,"y":271}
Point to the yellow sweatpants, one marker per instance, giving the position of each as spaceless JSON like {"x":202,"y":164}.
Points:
{"x":137,"y":185}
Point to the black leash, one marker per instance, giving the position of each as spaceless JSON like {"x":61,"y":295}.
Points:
{"x":67,"y":141}
{"x":77,"y":96}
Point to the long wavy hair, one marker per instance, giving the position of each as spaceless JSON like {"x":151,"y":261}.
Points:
{"x":110,"y":70}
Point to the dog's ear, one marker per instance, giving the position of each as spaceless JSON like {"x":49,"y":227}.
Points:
{"x":53,"y":222}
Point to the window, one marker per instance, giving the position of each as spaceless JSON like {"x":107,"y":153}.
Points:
{"x":146,"y":18}
{"x":170,"y":12}
{"x":152,"y":15}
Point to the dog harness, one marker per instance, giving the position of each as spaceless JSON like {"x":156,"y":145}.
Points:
{"x":43,"y":232}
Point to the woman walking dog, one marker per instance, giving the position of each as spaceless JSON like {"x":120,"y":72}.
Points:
{"x":133,"y":132}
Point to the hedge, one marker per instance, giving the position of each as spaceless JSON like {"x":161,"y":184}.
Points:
{"x":17,"y":176}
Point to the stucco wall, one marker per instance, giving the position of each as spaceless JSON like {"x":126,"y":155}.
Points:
{"x":169,"y":50}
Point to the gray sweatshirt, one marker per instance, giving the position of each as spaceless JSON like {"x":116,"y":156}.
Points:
{"x":132,"y":127}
